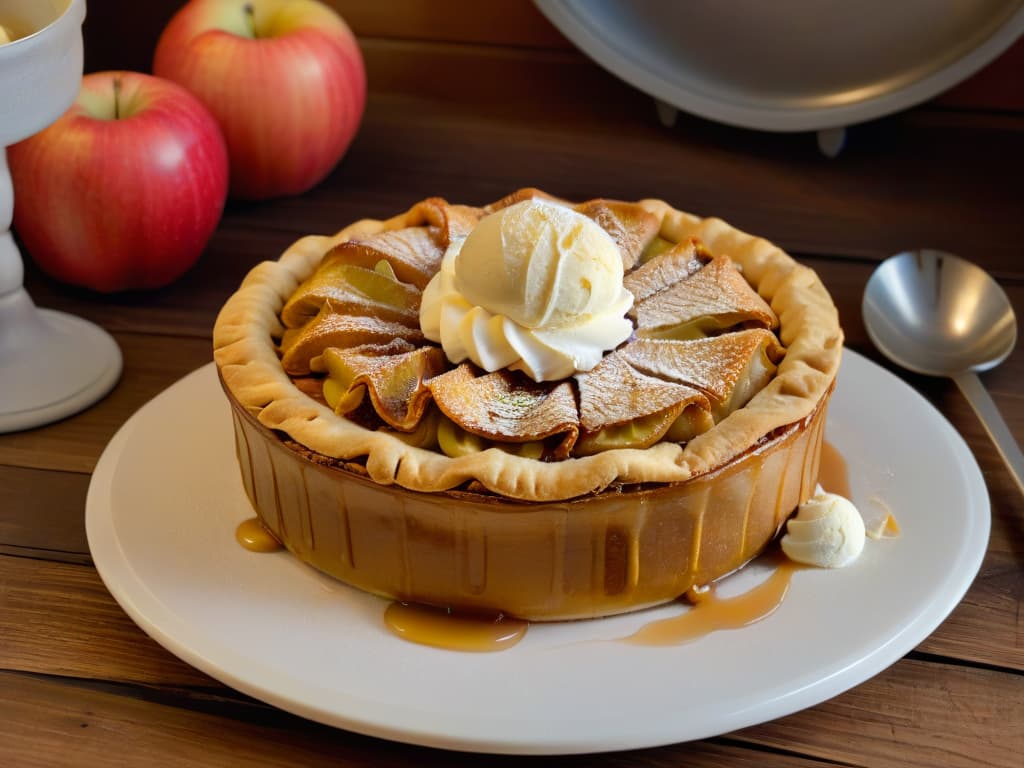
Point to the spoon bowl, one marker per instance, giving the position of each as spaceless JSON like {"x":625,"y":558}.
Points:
{"x":938,"y":314}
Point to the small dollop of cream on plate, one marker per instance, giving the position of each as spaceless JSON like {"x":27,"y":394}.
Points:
{"x":827,"y":531}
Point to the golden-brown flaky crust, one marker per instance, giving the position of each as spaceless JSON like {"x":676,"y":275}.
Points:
{"x":244,"y":350}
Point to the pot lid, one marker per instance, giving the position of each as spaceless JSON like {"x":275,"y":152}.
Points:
{"x":790,"y":65}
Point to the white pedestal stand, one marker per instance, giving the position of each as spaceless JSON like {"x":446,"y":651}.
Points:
{"x":51,"y":364}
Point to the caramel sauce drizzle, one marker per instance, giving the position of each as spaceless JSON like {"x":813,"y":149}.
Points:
{"x":254,"y":536}
{"x":711,"y":613}
{"x":440,"y":628}
{"x":833,"y":472}
{"x":892,"y":528}
{"x":888,"y":528}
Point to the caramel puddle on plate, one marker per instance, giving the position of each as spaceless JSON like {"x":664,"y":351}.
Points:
{"x":253,"y":536}
{"x":440,"y":628}
{"x":711,"y":613}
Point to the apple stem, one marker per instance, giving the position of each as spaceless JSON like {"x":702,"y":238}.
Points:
{"x":117,"y":98}
{"x":250,"y":18}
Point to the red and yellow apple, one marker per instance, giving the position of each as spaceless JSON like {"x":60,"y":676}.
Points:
{"x":283,"y":78}
{"x":124,"y":190}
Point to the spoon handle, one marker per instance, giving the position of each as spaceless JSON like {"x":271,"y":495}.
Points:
{"x":994,"y":424}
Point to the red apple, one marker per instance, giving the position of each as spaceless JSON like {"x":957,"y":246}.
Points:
{"x":284,"y":78}
{"x":124,"y":190}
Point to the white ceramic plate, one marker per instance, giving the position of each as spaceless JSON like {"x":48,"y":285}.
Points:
{"x":166,"y":497}
{"x":790,"y":65}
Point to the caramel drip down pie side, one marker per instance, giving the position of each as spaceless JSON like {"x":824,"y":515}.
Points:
{"x":671,"y":462}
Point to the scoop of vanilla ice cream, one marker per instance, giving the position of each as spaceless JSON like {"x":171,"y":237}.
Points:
{"x":535,"y":287}
{"x":540,"y":264}
{"x":827,"y":532}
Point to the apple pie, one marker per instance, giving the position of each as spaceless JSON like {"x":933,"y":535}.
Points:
{"x":535,"y":407}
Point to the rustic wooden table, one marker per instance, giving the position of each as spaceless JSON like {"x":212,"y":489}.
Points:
{"x":80,"y":684}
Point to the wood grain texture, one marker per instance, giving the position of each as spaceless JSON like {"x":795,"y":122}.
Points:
{"x":51,"y":522}
{"x":964,"y":718}
{"x":493,"y":23}
{"x":777,"y":185}
{"x":68,"y":723}
{"x":987,"y":627}
{"x":913,"y":714}
{"x":59,"y":619}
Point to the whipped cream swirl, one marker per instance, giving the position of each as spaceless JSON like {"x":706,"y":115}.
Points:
{"x":827,"y":532}
{"x":535,"y":287}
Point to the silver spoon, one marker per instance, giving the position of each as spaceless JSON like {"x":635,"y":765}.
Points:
{"x":940,"y":315}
